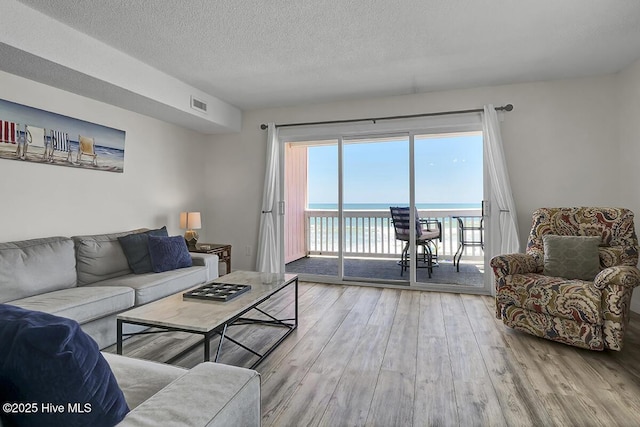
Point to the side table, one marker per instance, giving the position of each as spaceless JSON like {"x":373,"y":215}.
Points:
{"x":222,"y":250}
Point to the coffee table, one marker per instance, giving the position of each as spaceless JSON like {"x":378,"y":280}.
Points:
{"x":211,"y":318}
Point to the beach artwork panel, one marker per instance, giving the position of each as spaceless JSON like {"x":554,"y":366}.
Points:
{"x":32,"y":135}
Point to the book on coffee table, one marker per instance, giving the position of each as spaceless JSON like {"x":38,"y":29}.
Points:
{"x":216,"y":292}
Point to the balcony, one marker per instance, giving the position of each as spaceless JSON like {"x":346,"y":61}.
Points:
{"x":371,"y":249}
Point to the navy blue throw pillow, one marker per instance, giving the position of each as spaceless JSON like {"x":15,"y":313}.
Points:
{"x":54,"y":373}
{"x":136,"y":248}
{"x":168,"y":253}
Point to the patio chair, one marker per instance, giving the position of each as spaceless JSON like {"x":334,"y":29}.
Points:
{"x":470,"y":234}
{"x":60,"y":144}
{"x":9,"y":132}
{"x":575,"y":281}
{"x":425,"y":232}
{"x":87,"y":147}
{"x":35,"y":137}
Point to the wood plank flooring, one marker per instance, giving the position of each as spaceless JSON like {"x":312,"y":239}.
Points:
{"x":390,"y":357}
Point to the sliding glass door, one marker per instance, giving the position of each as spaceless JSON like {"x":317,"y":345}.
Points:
{"x":375,"y":175}
{"x":449,"y":189}
{"x":311,"y":223}
{"x":339,"y":194}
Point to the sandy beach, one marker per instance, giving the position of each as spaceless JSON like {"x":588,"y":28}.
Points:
{"x":35,"y":155}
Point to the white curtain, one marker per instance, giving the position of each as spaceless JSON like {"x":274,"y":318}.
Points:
{"x":268,"y":254}
{"x":502,"y":198}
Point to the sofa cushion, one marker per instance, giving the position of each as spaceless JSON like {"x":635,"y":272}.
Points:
{"x":141,"y":379}
{"x":191,"y":400}
{"x":36,"y":266}
{"x":136,"y":249}
{"x":100,"y":257}
{"x":151,"y":286}
{"x":168,"y":253}
{"x":48,"y":359}
{"x":82,"y":304}
{"x":571,"y":257}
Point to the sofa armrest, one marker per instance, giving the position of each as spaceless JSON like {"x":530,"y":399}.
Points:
{"x":620,"y":275}
{"x":210,"y":394}
{"x":505,"y":265}
{"x":207,"y":260}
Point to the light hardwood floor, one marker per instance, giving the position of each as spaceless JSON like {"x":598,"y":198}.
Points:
{"x":387,"y":357}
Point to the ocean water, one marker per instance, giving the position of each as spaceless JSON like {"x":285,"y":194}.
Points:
{"x":374,"y":235}
{"x":385,"y":206}
{"x":114,"y":154}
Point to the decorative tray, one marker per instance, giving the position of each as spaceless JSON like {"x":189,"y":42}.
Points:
{"x":217,"y":292}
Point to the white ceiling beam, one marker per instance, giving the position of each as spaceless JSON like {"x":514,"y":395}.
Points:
{"x":40,"y":48}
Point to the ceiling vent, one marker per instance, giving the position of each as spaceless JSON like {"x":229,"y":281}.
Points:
{"x":199,"y":105}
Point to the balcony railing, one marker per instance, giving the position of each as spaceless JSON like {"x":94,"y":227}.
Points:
{"x":369,"y":233}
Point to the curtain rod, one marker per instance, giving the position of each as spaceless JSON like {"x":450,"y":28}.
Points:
{"x":507,"y":107}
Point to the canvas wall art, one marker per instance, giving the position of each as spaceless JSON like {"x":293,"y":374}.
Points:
{"x":34,"y":135}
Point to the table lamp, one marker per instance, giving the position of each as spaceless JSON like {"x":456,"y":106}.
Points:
{"x":190,"y":221}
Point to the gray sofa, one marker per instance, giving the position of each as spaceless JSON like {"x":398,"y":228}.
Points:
{"x":87,"y":278}
{"x":211,"y":394}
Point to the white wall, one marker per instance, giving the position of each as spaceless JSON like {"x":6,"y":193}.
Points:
{"x":629,"y":134}
{"x":570,"y":142}
{"x":561,"y":144}
{"x":162,"y":174}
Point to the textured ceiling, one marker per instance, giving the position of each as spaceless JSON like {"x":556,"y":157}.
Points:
{"x":287,"y":52}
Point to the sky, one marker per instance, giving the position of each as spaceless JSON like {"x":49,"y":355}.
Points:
{"x":448,"y":170}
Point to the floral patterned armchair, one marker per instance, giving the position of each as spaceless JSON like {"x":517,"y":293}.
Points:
{"x":582,"y":313}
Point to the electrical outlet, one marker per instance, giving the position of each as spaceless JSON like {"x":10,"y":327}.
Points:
{"x":247,"y":250}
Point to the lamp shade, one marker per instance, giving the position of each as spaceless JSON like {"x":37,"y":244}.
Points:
{"x":190,"y":220}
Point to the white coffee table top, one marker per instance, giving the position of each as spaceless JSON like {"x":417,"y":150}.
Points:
{"x":204,"y":316}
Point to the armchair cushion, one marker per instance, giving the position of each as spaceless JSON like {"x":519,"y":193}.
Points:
{"x":554,"y":296}
{"x":571,"y":257}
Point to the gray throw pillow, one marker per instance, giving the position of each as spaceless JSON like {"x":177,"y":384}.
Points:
{"x":571,"y":257}
{"x":136,"y":249}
